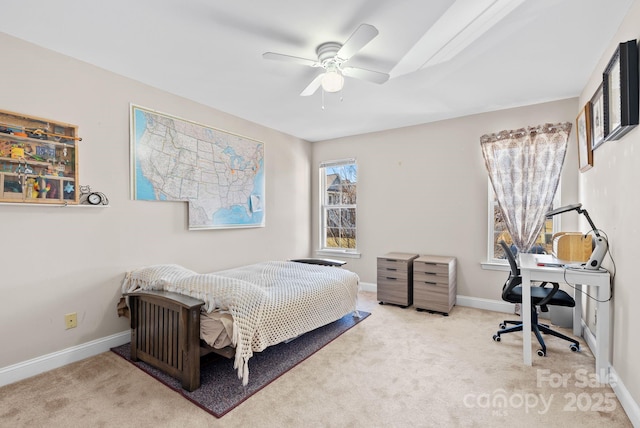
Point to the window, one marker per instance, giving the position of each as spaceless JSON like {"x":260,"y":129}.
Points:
{"x":498,"y":230}
{"x":338,"y":189}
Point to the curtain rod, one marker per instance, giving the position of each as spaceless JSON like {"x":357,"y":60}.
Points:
{"x":521,"y":132}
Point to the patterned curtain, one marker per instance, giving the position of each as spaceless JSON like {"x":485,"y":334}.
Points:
{"x":524,"y":166}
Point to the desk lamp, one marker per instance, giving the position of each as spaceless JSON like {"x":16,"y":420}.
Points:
{"x":602,"y":245}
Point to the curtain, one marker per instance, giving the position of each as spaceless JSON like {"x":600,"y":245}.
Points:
{"x":524,"y":167}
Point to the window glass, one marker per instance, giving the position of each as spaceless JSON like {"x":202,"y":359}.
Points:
{"x":338,"y":182}
{"x":498,"y":231}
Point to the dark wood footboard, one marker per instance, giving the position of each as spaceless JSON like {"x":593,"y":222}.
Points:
{"x":165,"y":333}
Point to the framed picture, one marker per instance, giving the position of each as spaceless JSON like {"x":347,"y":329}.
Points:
{"x":620,"y":88}
{"x":583,"y":125}
{"x":597,"y":118}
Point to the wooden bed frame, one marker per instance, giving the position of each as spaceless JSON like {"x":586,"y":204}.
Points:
{"x":165,"y":333}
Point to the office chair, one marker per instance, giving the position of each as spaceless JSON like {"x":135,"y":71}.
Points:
{"x":541,"y":297}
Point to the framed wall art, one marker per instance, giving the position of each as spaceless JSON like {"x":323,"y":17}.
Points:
{"x":597,"y":118}
{"x":38,"y":160}
{"x":220,"y":174}
{"x":620,"y":89}
{"x":583,"y":125}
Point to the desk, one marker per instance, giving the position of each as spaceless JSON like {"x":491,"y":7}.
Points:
{"x":530,"y":271}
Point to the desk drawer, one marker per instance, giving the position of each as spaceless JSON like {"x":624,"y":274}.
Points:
{"x":433,"y":297}
{"x":431,"y":278}
{"x":392,"y":264}
{"x":397,"y":291}
{"x":438,"y":268}
{"x":393,"y":273}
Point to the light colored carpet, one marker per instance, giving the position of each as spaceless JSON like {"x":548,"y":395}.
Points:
{"x":399,"y":368}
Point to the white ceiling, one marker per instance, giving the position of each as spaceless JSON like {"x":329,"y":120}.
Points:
{"x":210,"y":51}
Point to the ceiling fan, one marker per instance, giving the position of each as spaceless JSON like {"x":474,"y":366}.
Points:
{"x":331,"y":57}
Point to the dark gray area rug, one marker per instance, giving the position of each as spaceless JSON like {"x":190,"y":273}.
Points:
{"x":221,"y":390}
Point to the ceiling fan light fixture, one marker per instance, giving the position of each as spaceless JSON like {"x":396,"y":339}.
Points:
{"x":332,"y":81}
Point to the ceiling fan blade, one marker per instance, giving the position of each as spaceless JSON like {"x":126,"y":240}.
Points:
{"x":289,"y":58}
{"x":363,"y":35}
{"x":313,"y":86}
{"x":368,"y":75}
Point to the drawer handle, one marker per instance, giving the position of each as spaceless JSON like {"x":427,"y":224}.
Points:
{"x":391,"y":278}
{"x":391,"y":269}
{"x":431,"y":283}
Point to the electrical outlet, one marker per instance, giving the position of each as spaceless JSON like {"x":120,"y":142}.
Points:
{"x":71,"y":320}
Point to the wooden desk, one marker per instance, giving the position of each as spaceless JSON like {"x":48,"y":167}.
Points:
{"x":530,"y":271}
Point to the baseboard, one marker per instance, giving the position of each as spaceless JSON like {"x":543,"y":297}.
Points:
{"x":486,"y":304}
{"x":629,"y":405}
{"x":26,"y":369}
{"x":368,"y":286}
{"x":471,"y":302}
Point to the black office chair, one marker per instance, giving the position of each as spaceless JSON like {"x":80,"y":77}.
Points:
{"x":540,"y":297}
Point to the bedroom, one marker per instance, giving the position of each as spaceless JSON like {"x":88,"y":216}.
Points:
{"x":59,"y":261}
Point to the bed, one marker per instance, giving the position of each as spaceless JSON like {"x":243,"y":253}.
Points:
{"x":243,"y":310}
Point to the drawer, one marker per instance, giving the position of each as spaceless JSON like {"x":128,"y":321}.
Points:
{"x":433,"y":298}
{"x":392,"y":283}
{"x":393,"y":273}
{"x":440,"y":268}
{"x":393,"y":264}
{"x":433,"y":290}
{"x":394,"y":291}
{"x":431,"y":278}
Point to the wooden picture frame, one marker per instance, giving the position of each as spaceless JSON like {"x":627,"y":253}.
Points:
{"x":583,"y":126}
{"x":38,"y":160}
{"x":597,"y":118}
{"x":620,"y":89}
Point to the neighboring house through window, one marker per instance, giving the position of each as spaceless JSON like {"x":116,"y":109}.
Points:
{"x":498,"y":230}
{"x":338,"y":189}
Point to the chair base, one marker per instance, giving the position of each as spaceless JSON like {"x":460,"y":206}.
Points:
{"x":538,"y":329}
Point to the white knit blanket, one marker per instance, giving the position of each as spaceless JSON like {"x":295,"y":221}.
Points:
{"x":270,"y":302}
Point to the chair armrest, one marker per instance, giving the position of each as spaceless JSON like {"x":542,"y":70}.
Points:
{"x":556,"y":287}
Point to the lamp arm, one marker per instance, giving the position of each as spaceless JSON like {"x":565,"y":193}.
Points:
{"x":593,"y":226}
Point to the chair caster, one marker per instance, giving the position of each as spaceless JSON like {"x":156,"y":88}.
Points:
{"x":496,"y":338}
{"x":502,"y":326}
{"x":541,"y":353}
{"x":574,"y":348}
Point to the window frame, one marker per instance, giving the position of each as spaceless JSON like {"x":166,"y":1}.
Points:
{"x":324,"y":207}
{"x":491,"y":204}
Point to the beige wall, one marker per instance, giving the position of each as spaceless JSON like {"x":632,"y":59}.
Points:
{"x":423,"y":189}
{"x":609,"y":191}
{"x":59,"y":260}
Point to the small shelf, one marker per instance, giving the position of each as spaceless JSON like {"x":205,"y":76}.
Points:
{"x":55,"y":205}
{"x":30,"y":161}
{"x":68,"y":142}
{"x":48,"y":177}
